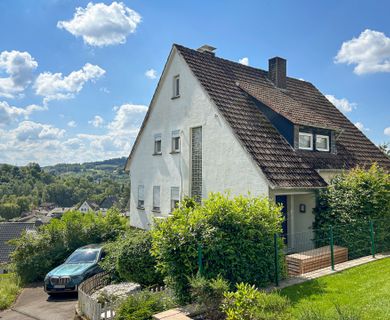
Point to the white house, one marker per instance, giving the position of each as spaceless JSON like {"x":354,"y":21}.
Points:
{"x":217,"y":125}
{"x":88,"y":206}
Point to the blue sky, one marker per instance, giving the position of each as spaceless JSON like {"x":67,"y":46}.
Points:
{"x":73,"y":82}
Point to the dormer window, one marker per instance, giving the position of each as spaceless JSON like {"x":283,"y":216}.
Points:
{"x":322,"y":142}
{"x":305,"y":141}
{"x":176,"y":86}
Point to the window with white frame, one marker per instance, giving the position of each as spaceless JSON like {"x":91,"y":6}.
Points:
{"x":305,"y":141}
{"x":176,"y":86}
{"x":157,"y":144}
{"x":176,"y":141}
{"x":141,"y":199}
{"x":322,"y":142}
{"x":156,"y":198}
{"x":175,"y":197}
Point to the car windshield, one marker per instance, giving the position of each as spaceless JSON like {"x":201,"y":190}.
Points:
{"x":83,"y":256}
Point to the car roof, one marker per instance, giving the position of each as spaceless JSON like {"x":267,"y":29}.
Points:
{"x":91,"y":246}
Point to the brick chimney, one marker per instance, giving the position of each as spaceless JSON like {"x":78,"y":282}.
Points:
{"x":277,"y":71}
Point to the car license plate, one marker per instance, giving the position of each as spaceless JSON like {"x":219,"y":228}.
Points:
{"x":59,"y":286}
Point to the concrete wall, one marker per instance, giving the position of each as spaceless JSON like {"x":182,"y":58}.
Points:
{"x":226,"y":166}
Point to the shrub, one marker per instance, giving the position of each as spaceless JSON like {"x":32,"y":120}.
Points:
{"x":38,"y":252}
{"x":348,"y":203}
{"x":129,"y":258}
{"x":9,"y":289}
{"x":248,"y":303}
{"x":236,"y":236}
{"x":209,"y":294}
{"x":143,"y":305}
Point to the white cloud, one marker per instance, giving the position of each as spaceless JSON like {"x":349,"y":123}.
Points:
{"x":370,"y":52}
{"x":54,"y":86}
{"x":151,"y":74}
{"x":104,"y":89}
{"x":72,"y":124}
{"x":361,"y":127}
{"x":102,"y":25}
{"x":342,"y":104}
{"x":244,"y":61}
{"x":19,"y":66}
{"x":97,"y":121}
{"x":29,"y":130}
{"x":128,"y":117}
{"x":387,"y":131}
{"x":9,"y":113}
{"x":46,"y":144}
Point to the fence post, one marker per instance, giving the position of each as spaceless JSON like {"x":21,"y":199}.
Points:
{"x":331,"y":246}
{"x":200,"y":256}
{"x":372,"y":236}
{"x":276,"y":251}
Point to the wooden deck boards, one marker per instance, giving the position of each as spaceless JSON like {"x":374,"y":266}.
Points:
{"x":311,"y":260}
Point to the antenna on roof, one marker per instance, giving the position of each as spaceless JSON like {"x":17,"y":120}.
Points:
{"x":207,"y":49}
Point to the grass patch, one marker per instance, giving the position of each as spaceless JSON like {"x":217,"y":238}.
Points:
{"x":363,"y":291}
{"x":9,"y":289}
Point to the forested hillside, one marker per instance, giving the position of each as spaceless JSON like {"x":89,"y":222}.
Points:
{"x":26,"y":188}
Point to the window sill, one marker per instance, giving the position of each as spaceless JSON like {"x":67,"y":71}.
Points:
{"x":323,"y":150}
{"x":175,"y":97}
{"x":156,"y":211}
{"x":141,"y":208}
{"x":157,"y":154}
{"x":174,"y":152}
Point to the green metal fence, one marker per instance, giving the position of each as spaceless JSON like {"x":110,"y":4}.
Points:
{"x":333,"y":244}
{"x":322,"y":248}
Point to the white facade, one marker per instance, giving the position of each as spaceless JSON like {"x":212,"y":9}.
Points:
{"x":226,"y":166}
{"x":85,"y":207}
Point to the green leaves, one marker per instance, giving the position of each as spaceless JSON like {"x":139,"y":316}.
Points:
{"x":248,"y":303}
{"x":236,"y":235}
{"x":37,"y":253}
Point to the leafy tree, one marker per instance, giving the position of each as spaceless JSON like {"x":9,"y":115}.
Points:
{"x":236,"y":236}
{"x":348,"y":204}
{"x":38,"y":252}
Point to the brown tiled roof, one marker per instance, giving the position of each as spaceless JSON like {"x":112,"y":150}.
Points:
{"x":232,"y":87}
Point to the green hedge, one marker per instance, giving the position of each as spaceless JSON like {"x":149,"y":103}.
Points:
{"x":349,"y":203}
{"x":38,"y":252}
{"x":129,"y":259}
{"x":236,"y":235}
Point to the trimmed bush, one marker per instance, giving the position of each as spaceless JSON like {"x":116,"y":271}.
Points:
{"x":248,"y":303}
{"x":143,"y":305}
{"x":236,"y":235}
{"x":209,"y":295}
{"x":38,"y":252}
{"x":129,"y":259}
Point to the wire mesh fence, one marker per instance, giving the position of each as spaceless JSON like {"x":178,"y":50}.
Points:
{"x":315,"y":249}
{"x":333,"y":244}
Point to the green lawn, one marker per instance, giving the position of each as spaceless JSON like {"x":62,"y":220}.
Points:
{"x":9,"y":289}
{"x":363,"y":290}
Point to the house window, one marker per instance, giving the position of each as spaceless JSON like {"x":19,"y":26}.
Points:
{"x":157,"y":144}
{"x":322,"y":142}
{"x":141,"y":199}
{"x":305,"y":141}
{"x":156,"y":198}
{"x":176,"y":86}
{"x":175,"y":197}
{"x":176,"y":141}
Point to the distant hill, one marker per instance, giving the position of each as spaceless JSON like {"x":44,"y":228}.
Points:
{"x":111,"y":168}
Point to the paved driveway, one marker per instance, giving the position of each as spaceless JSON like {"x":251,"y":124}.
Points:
{"x":34,"y":304}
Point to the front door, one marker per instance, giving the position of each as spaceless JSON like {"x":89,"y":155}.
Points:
{"x":283,"y":201}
